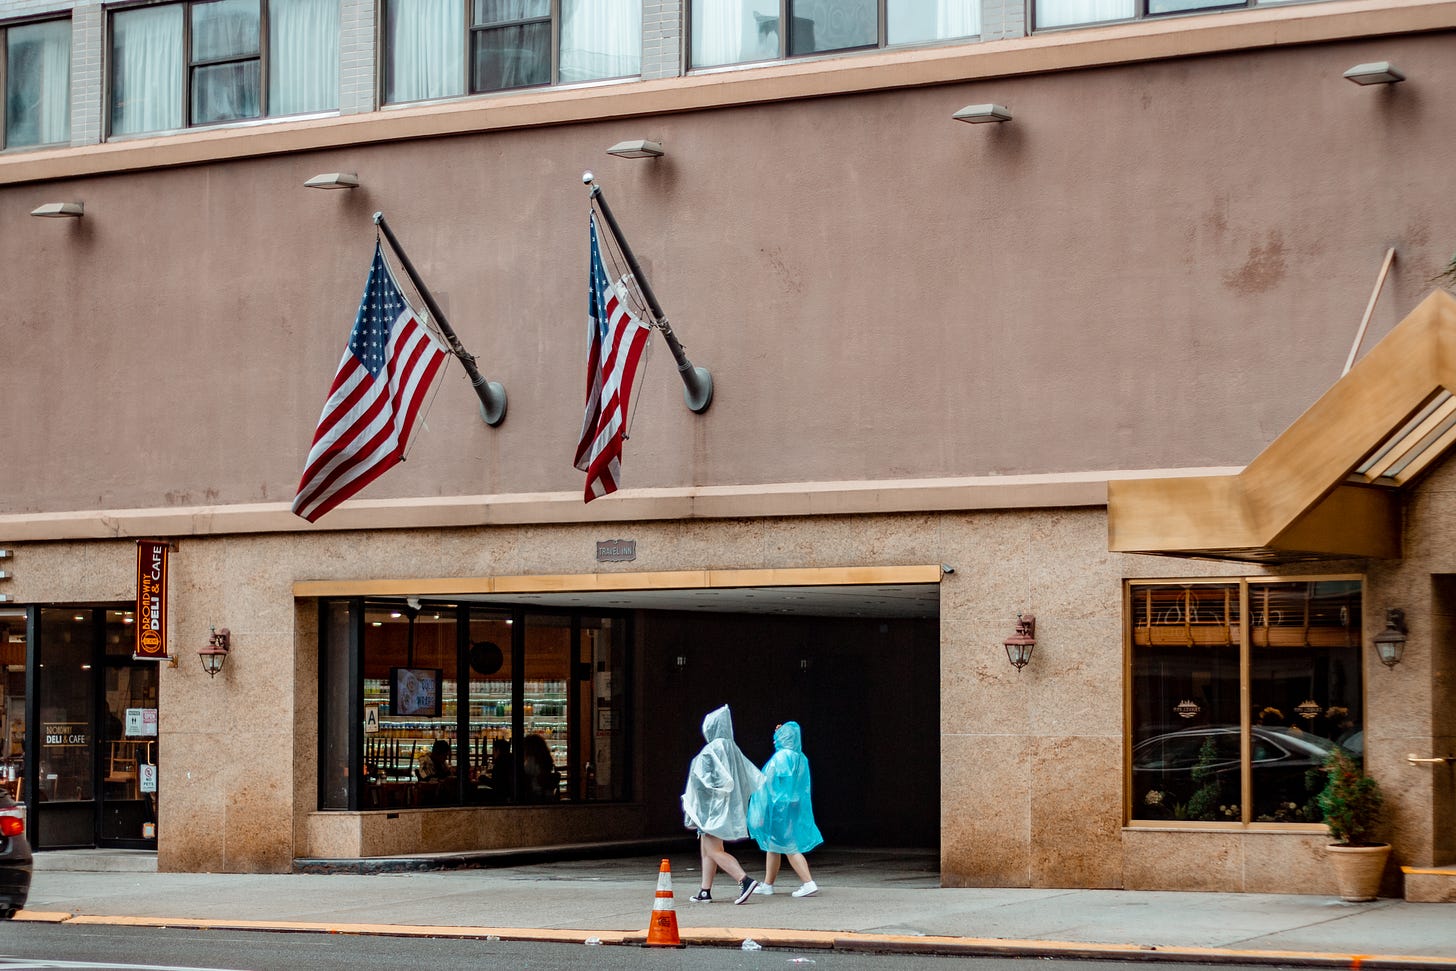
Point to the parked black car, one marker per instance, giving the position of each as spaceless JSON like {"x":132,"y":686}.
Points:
{"x":1163,"y":768}
{"x":15,"y":860}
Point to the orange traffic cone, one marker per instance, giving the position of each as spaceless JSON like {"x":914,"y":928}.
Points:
{"x":662,"y":930}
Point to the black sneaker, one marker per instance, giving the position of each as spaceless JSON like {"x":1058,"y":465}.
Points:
{"x":701,"y":897}
{"x":745,"y":889}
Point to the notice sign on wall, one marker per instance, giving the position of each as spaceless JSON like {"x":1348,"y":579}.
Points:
{"x":151,"y":607}
{"x":141,"y":721}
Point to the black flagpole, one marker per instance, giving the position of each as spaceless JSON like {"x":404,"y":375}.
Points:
{"x":491,"y":394}
{"x":697,"y":382}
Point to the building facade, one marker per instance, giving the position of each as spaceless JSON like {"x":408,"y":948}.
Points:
{"x":1084,"y":362}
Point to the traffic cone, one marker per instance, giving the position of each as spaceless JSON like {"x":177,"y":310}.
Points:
{"x":662,"y":929}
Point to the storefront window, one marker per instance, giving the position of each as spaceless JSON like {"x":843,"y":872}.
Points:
{"x":410,"y":679}
{"x":600,"y":736}
{"x":472,"y":705}
{"x":12,"y":703}
{"x":336,"y":717}
{"x":491,"y":710}
{"x":1290,"y":647}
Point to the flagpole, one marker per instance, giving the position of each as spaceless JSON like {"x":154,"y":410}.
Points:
{"x":697,"y":381}
{"x":492,"y":394}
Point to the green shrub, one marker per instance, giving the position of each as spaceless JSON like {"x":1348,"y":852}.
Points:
{"x":1203,"y":804}
{"x":1350,"y":801}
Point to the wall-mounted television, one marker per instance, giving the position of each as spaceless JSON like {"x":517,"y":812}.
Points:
{"x":414,"y":692}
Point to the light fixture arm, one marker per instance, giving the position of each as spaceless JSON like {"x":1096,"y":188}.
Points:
{"x":492,"y":394}
{"x":697,"y":381}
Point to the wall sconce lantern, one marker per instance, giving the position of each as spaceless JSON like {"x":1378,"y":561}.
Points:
{"x":1390,"y":643}
{"x":680,"y":662}
{"x":216,"y":651}
{"x":1020,"y":644}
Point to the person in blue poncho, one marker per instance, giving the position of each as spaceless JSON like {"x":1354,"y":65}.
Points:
{"x":715,"y":803}
{"x":781,"y":815}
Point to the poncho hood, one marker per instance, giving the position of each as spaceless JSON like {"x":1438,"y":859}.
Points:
{"x":720,"y":782}
{"x":718,"y":723}
{"x":788,"y":736}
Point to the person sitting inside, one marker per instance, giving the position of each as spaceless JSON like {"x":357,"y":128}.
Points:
{"x":434,"y":765}
{"x":539,"y":777}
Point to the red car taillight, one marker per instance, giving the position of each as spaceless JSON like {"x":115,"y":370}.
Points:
{"x":11,"y":824}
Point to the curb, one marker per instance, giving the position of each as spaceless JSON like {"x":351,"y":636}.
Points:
{"x":793,"y":940}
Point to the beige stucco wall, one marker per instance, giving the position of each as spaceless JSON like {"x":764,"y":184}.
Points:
{"x":1157,"y":264}
{"x":1032,"y":762}
{"x":1411,"y":705}
{"x":1030,"y":789}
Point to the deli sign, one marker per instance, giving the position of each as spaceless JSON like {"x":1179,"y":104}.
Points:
{"x":151,"y":607}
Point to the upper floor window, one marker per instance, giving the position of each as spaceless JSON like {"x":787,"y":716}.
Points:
{"x":35,"y":67}
{"x":1068,"y":13}
{"x":433,"y":49}
{"x":735,"y":31}
{"x":205,"y":62}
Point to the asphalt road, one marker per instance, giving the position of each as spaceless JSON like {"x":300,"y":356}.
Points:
{"x":150,"y":949}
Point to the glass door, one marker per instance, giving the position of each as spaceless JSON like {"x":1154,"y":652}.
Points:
{"x":96,"y":732}
{"x":64,"y":813}
{"x":128,"y":741}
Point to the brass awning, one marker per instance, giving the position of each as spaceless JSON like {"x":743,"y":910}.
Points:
{"x":1329,"y":486}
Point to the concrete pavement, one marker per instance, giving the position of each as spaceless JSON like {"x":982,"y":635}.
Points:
{"x":870,"y":900}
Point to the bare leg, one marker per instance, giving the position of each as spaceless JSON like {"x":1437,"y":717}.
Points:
{"x":710,"y":869}
{"x":713,"y":852}
{"x":800,"y":865}
{"x":771,"y":863}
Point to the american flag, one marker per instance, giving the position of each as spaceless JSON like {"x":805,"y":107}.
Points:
{"x":617,"y":340}
{"x":388,"y":368}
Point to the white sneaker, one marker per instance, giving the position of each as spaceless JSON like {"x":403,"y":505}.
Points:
{"x":764,"y":888}
{"x":807,"y":890}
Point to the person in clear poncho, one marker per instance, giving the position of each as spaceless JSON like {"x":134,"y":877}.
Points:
{"x":720,"y":782}
{"x":781,"y":815}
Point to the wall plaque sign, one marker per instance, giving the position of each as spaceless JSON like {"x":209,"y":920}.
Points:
{"x":616,"y":550}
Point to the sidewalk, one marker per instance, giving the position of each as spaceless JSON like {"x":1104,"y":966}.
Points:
{"x":878,"y":901}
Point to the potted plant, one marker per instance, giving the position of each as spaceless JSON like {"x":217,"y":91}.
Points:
{"x":1350,"y":803}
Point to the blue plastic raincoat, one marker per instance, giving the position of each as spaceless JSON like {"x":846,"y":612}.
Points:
{"x":780,"y":815}
{"x":720,"y":782}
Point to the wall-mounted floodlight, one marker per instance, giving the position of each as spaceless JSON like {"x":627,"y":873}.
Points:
{"x":59,"y":210}
{"x":641,"y":148}
{"x":1376,"y":72}
{"x":334,"y":180}
{"x":980,"y":114}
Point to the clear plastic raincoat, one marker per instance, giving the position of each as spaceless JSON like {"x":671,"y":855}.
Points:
{"x":780,"y":815}
{"x":720,"y":782}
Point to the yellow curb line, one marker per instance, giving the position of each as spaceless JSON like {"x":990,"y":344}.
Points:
{"x":42,"y":916}
{"x":771,"y":937}
{"x":554,"y":935}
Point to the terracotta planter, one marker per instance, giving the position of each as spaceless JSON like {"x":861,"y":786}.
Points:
{"x":1358,"y":869}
